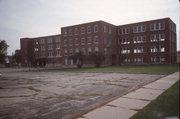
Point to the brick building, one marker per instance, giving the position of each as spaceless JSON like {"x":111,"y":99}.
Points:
{"x":149,"y":42}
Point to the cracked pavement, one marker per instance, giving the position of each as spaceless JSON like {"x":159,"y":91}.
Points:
{"x":62,"y":95}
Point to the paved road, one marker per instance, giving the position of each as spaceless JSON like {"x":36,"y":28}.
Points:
{"x":60,"y":95}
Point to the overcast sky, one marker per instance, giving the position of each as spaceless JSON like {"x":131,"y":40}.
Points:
{"x":34,"y":18}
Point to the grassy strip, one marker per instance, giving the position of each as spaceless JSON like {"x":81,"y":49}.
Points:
{"x":151,"y":69}
{"x":166,"y":105}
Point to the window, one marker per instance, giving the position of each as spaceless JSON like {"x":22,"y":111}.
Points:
{"x":83,"y":50}
{"x":139,"y":50}
{"x":95,"y":28}
{"x":89,"y":40}
{"x":43,"y":48}
{"x":77,"y":50}
{"x":36,"y":42}
{"x":139,"y":60}
{"x":89,"y":51}
{"x":76,"y":31}
{"x":70,"y":42}
{"x":58,"y":54}
{"x":124,"y":30}
{"x":125,"y":41}
{"x":96,"y":40}
{"x":42,"y":41}
{"x":49,"y":40}
{"x":57,"y":39}
{"x":125,"y":50}
{"x":157,"y":37}
{"x":157,"y":49}
{"x":65,"y":32}
{"x":50,"y":47}
{"x":82,"y":41}
{"x":36,"y":49}
{"x":158,"y":59}
{"x":76,"y":41}
{"x":89,"y":29}
{"x":126,"y":60}
{"x":157,"y":26}
{"x":57,"y":46}
{"x":50,"y":54}
{"x":104,"y":28}
{"x":139,"y":28}
{"x":65,"y":42}
{"x":110,"y":30}
{"x":105,"y":40}
{"x":65,"y":52}
{"x":82,"y":30}
{"x":96,"y":49}
{"x":70,"y":32}
{"x":139,"y":39}
{"x":71,"y":52}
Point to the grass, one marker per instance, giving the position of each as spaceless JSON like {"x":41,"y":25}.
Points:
{"x":150,"y":69}
{"x":166,"y":105}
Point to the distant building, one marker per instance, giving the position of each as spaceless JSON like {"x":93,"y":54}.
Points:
{"x":149,"y":42}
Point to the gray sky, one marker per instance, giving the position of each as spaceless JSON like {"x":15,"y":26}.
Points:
{"x":34,"y":18}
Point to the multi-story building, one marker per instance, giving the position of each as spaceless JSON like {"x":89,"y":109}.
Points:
{"x":149,"y":42}
{"x":41,"y":50}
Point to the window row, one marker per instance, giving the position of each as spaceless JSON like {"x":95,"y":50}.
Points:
{"x":48,"y":40}
{"x":48,"y":47}
{"x":48,"y":55}
{"x":153,"y":49}
{"x":142,"y":28}
{"x":142,"y":39}
{"x":82,"y":41}
{"x":154,"y":59}
{"x":82,"y":30}
{"x":82,"y":50}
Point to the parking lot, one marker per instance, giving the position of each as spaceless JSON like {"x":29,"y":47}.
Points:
{"x":62,"y":95}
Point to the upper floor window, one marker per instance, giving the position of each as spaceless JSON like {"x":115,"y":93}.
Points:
{"x":36,"y":49}
{"x":139,"y":50}
{"x":89,"y":29}
{"x":70,"y":42}
{"x":76,"y":31}
{"x":157,"y":37}
{"x":125,"y":50}
{"x":139,"y":28}
{"x":76,"y":41}
{"x":82,"y":30}
{"x":96,"y":39}
{"x":50,"y":47}
{"x":124,"y":41}
{"x":57,"y":46}
{"x":76,"y":50}
{"x":124,"y":30}
{"x":65,"y":42}
{"x":95,"y":28}
{"x":43,"y":48}
{"x":49,"y":40}
{"x":157,"y":49}
{"x":57,"y":39}
{"x":89,"y":40}
{"x":82,"y":41}
{"x":139,"y":39}
{"x":105,"y":28}
{"x":65,"y":32}
{"x":157,"y":26}
{"x":110,"y":30}
{"x":42,"y":41}
{"x":70,"y":32}
{"x":58,"y":54}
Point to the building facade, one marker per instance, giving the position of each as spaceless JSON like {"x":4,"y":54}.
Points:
{"x":149,"y":42}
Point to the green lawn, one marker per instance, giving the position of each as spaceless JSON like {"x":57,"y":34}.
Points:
{"x":166,"y":105}
{"x":153,"y":69}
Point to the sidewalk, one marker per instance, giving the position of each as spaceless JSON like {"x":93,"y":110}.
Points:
{"x":129,"y":104}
